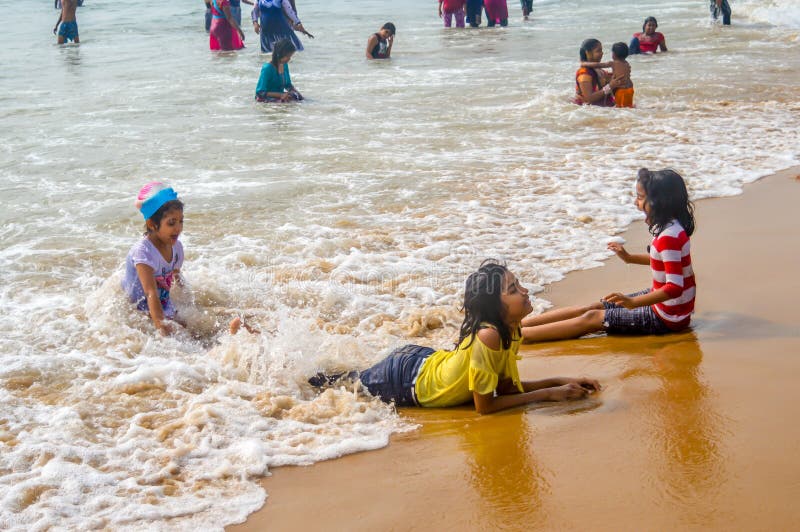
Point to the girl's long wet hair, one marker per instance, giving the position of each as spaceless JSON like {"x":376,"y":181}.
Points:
{"x":482,"y":302}
{"x":649,"y":19}
{"x":280,"y":50}
{"x":587,"y":45}
{"x":667,"y":199}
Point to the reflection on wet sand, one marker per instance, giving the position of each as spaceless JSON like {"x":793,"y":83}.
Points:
{"x":508,"y":480}
{"x":686,"y":431}
{"x":661,"y":413}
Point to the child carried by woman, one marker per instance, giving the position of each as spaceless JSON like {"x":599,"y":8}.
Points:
{"x":620,"y":74}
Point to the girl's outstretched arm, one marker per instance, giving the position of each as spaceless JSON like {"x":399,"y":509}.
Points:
{"x":656,"y":296}
{"x":590,"y":384}
{"x":628,"y":258}
{"x":489,"y":403}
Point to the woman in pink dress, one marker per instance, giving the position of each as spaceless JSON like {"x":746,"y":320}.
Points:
{"x":225,"y":34}
{"x":496,"y":12}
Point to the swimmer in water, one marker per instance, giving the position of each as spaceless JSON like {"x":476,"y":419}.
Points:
{"x":67,"y":23}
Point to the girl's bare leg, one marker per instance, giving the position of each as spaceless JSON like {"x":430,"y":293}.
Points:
{"x":560,"y":314}
{"x":575,"y":327}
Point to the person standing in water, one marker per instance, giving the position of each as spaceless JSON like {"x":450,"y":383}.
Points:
{"x":379,"y":45}
{"x":271,"y":20}
{"x":449,"y":9}
{"x":496,"y":12}
{"x":225,"y":34}
{"x":527,"y":8}
{"x":68,"y":30}
{"x":474,"y":8}
{"x":721,"y":8}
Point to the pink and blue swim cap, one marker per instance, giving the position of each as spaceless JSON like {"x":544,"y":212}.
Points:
{"x":152,"y":197}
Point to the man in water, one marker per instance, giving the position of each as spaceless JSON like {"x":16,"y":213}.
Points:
{"x":69,"y":24}
{"x":721,"y":7}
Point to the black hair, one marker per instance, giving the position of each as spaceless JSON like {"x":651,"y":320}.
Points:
{"x":280,"y":50}
{"x":588,"y":44}
{"x":667,"y":199}
{"x":482,"y":302}
{"x":159,"y":214}
{"x":649,"y":19}
{"x":620,"y":50}
{"x":389,"y":26}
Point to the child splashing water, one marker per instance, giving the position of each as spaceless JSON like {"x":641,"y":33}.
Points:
{"x":664,"y":308}
{"x":154,"y":263}
{"x":483,"y":366}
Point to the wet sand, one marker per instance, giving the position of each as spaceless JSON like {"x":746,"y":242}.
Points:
{"x":694,"y":430}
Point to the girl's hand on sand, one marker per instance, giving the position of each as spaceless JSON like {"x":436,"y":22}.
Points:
{"x":620,"y":299}
{"x":591,"y":385}
{"x":567,"y":392}
{"x":620,"y":250}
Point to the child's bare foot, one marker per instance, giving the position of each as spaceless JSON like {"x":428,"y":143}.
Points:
{"x":237,"y":323}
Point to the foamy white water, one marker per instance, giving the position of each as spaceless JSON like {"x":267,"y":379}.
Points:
{"x":342,"y":227}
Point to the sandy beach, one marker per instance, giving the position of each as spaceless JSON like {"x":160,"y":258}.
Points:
{"x":694,"y":430}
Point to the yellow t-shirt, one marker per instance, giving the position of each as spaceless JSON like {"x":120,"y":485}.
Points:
{"x":448,"y":378}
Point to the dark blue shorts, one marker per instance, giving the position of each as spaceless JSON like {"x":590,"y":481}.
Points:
{"x":69,"y":30}
{"x":392,"y":379}
{"x":640,"y":320}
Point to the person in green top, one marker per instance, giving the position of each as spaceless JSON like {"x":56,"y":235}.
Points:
{"x":275,"y":83}
{"x":483,"y":366}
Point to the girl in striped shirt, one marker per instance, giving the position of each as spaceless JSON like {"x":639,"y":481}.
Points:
{"x":666,"y":306}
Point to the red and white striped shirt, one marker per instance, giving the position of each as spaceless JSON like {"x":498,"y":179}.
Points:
{"x":671,"y":265}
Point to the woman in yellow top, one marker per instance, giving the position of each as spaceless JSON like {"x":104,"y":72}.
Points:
{"x":483,"y":366}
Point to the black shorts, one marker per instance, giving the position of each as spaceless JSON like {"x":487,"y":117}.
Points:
{"x":393,"y":378}
{"x":640,"y":320}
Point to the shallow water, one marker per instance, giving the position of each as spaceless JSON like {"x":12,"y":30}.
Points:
{"x":342,"y":227}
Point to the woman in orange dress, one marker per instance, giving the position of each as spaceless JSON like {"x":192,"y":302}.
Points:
{"x":593,"y":86}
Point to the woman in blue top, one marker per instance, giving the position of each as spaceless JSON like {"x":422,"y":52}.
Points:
{"x":275,"y":83}
{"x":270,"y":21}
